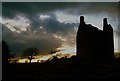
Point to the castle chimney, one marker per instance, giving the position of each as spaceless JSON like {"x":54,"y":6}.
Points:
{"x":82,"y":20}
{"x":105,"y":22}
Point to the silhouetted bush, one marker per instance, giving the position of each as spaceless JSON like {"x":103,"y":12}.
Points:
{"x":5,"y":53}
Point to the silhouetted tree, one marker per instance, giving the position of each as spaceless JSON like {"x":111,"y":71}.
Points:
{"x":5,"y":52}
{"x":30,"y":52}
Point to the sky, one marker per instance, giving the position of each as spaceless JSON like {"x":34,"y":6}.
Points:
{"x":50,"y":25}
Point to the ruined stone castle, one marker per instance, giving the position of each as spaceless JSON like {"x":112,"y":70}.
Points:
{"x":94,"y":44}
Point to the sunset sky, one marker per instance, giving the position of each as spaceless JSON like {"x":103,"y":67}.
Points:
{"x":48,"y":25}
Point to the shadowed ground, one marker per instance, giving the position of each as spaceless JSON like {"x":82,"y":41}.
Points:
{"x":63,"y":69}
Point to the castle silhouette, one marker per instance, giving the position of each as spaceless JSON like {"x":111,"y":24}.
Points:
{"x":94,"y":44}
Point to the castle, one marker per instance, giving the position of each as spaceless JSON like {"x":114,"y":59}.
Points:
{"x":94,"y":44}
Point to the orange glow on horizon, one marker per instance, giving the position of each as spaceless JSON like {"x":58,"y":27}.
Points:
{"x":65,"y":51}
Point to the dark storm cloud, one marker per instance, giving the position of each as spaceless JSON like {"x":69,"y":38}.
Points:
{"x":5,"y":30}
{"x":94,"y":8}
{"x":53,"y":26}
{"x":30,"y":8}
{"x":20,"y":41}
{"x":35,"y":21}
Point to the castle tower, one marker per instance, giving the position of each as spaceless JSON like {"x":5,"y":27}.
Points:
{"x":86,"y":39}
{"x":108,"y":40}
{"x":79,"y":35}
{"x":105,"y":23}
{"x":94,"y":44}
{"x":81,"y":25}
{"x":82,"y":20}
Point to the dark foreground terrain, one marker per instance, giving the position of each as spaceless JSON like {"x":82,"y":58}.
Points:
{"x":62,"y":70}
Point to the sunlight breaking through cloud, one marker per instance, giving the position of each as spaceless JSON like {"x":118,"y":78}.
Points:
{"x":59,"y":37}
{"x":65,"y":51}
{"x":18,"y":24}
{"x":66,"y":18}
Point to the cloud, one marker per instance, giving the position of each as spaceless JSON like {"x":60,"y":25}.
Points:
{"x":20,"y":41}
{"x":39,"y":37}
{"x":49,"y":25}
{"x":66,"y":18}
{"x":17,"y":24}
{"x":28,"y":8}
{"x":32,"y":11}
{"x":52,"y":25}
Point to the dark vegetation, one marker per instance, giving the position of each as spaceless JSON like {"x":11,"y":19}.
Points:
{"x":62,"y":69}
{"x":30,"y":52}
{"x":5,"y":53}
